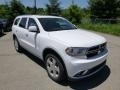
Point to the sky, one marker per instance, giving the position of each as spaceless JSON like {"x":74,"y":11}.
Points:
{"x":42,"y":3}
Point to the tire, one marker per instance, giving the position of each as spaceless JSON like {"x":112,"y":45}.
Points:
{"x":55,"y":68}
{"x":17,"y":45}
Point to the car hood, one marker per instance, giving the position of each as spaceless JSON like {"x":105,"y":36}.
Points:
{"x":77,"y":38}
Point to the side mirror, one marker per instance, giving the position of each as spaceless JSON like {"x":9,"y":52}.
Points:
{"x":74,"y":25}
{"x":33,"y":29}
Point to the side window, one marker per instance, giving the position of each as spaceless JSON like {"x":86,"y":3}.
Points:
{"x":23,"y":22}
{"x":32,"y":22}
{"x":16,"y":21}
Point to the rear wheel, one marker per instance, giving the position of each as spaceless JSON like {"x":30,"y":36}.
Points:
{"x":55,"y":68}
{"x":17,"y":45}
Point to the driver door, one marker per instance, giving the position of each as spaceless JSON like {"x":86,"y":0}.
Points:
{"x":31,"y":36}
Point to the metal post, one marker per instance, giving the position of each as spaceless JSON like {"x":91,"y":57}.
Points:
{"x":72,"y":2}
{"x":35,"y":9}
{"x":6,"y":2}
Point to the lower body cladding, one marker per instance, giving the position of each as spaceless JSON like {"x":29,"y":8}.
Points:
{"x":80,"y":68}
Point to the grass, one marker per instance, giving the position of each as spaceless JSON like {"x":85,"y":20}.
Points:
{"x":113,"y":29}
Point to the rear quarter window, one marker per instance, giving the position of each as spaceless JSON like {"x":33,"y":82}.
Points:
{"x":16,"y":21}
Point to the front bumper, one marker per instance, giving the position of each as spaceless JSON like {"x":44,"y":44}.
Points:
{"x":81,"y":68}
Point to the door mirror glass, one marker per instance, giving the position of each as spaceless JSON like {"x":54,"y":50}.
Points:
{"x":32,"y":28}
{"x":74,"y":25}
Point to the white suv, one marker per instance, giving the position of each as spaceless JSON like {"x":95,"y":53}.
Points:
{"x":67,"y":51}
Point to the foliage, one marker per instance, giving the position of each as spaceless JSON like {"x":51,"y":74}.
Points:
{"x":16,"y":8}
{"x":4,"y":9}
{"x":86,"y":13}
{"x":100,"y":9}
{"x":105,"y":9}
{"x":73,"y":13}
{"x":41,"y":11}
{"x":10,"y":12}
{"x":53,"y":8}
{"x":113,"y":29}
{"x":28,"y":10}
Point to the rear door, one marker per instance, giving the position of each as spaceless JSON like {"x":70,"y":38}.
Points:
{"x":15,"y":27}
{"x":23,"y":32}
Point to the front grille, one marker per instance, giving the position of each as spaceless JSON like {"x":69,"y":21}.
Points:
{"x":93,"y":51}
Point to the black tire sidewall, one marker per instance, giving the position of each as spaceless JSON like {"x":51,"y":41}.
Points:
{"x":61,"y":76}
{"x":19,"y":49}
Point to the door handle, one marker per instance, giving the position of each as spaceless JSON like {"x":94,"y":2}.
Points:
{"x":26,"y":35}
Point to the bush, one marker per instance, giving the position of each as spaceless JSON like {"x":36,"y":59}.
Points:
{"x":113,"y":29}
{"x":73,"y":13}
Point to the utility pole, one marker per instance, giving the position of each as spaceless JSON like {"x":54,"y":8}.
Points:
{"x":6,"y":3}
{"x":35,"y":9}
{"x":73,"y":2}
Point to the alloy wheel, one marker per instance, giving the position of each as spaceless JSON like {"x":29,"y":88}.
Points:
{"x":53,"y":67}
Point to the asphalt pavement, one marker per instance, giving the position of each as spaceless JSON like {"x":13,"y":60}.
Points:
{"x":23,"y":71}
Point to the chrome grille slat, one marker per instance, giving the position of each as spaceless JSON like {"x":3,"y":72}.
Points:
{"x":95,"y":50}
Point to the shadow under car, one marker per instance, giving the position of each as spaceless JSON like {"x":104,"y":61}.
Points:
{"x":82,"y":84}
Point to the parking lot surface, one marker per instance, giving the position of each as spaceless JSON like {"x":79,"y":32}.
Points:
{"x":23,"y":71}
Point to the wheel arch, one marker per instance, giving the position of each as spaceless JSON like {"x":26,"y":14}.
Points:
{"x":14,"y":36}
{"x":50,"y":50}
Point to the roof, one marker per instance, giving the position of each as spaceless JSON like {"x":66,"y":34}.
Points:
{"x":39,"y":16}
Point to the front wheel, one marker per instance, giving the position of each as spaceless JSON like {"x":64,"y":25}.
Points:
{"x":55,"y":68}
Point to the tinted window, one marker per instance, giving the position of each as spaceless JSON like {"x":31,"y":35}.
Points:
{"x":31,"y":22}
{"x":16,"y":21}
{"x":23,"y":22}
{"x":56,"y":24}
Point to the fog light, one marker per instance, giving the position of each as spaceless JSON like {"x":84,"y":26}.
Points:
{"x":84,"y":72}
{"x":81,"y":73}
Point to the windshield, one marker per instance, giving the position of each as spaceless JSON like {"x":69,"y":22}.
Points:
{"x":56,"y":24}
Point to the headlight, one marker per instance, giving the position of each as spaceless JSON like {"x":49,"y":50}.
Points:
{"x":76,"y":51}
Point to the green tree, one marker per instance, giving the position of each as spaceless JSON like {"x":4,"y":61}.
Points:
{"x":73,"y":13}
{"x":28,"y":10}
{"x":53,"y":8}
{"x":105,"y":9}
{"x":4,"y":9}
{"x":41,"y":11}
{"x":86,"y":12}
{"x":16,"y":8}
